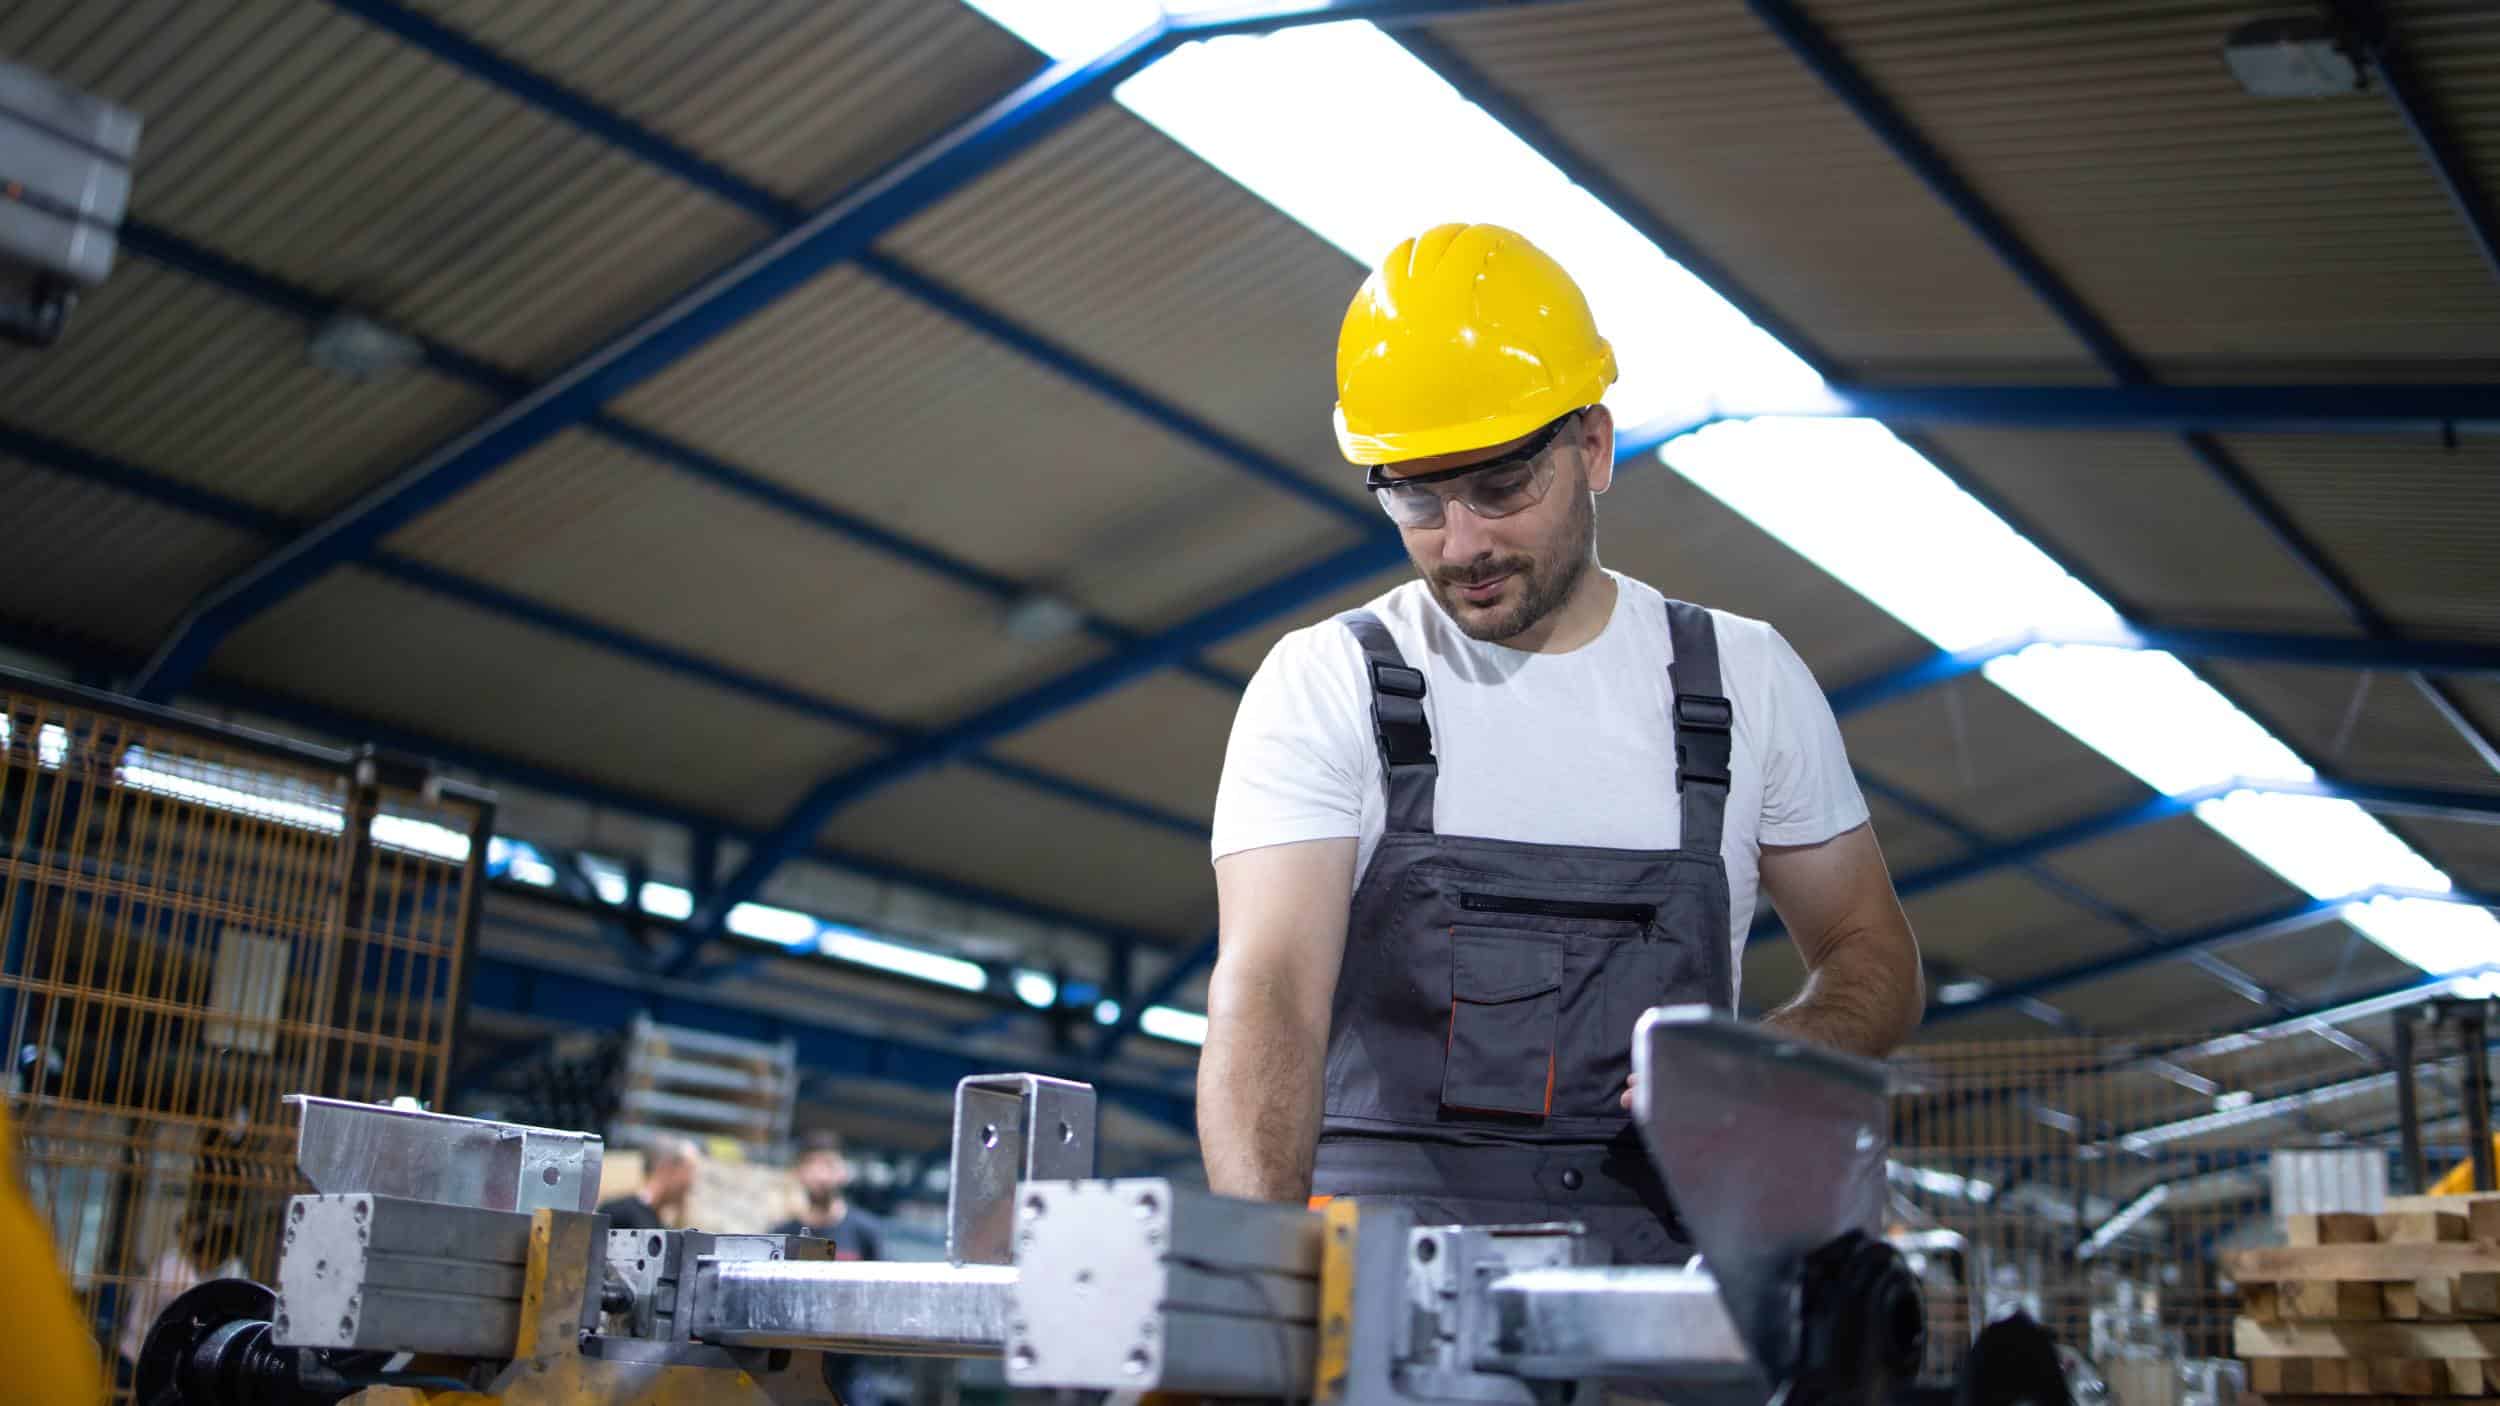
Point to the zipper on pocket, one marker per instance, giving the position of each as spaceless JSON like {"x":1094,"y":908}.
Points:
{"x":1558,"y":908}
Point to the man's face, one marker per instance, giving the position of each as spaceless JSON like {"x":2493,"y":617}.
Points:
{"x":1499,"y":577}
{"x":676,"y":1180}
{"x":823,"y":1175}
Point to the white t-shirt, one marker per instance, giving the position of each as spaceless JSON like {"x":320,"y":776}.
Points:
{"x":1565,"y":749}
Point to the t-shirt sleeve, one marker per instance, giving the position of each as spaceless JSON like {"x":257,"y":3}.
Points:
{"x":1809,"y":793}
{"x":1300,"y":756}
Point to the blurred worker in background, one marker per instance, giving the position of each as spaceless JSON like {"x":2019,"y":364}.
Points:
{"x":666,"y":1180}
{"x":1468,"y":833}
{"x":825,"y":1177}
{"x":198,"y":1252}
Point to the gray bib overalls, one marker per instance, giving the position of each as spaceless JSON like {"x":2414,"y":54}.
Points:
{"x":1482,"y":1028}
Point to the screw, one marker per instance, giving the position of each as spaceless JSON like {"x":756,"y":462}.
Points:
{"x":362,"y":1207}
{"x":1138,"y":1361}
{"x":1147,"y":1205}
{"x":1023,"y":1357}
{"x":298,"y":1212}
{"x":1035,"y":1205}
{"x":347,"y":1326}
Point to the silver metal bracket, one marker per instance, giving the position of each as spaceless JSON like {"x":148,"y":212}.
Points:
{"x":1011,"y":1129}
{"x":351,"y":1147}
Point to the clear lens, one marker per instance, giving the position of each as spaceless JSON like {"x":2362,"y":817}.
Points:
{"x":1496,"y":494}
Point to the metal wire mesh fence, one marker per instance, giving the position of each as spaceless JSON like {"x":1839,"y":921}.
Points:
{"x":194,"y":923}
{"x":2094,"y":1183}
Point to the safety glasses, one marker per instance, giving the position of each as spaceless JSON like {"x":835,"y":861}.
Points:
{"x":1495,"y":488}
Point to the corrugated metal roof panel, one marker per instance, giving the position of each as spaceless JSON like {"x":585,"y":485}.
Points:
{"x":1708,"y":119}
{"x":2203,"y":223}
{"x":2374,"y":726}
{"x":190,"y":383}
{"x":847,"y":391}
{"x":352,"y":163}
{"x":1970,"y":750}
{"x":800,"y":97}
{"x":2412,"y":522}
{"x":100,"y":564}
{"x":585,"y":525}
{"x":2005,"y":927}
{"x":402,"y":656}
{"x":2177,"y":875}
{"x":2151,"y":522}
{"x":1114,"y":239}
{"x":977,"y":828}
{"x":1160,"y":739}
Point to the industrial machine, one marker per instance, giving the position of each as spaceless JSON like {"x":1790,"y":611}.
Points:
{"x":440,"y":1253}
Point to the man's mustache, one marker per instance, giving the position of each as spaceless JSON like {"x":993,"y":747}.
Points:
{"x":1480,"y":572}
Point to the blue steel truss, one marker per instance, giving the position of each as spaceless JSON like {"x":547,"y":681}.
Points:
{"x":1837,"y":72}
{"x":841,"y":230}
{"x":2136,"y":405}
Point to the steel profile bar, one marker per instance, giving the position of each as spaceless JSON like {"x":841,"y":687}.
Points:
{"x":841,"y":230}
{"x":1838,"y":73}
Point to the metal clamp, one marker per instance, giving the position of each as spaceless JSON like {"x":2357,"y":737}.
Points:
{"x":1011,"y":1129}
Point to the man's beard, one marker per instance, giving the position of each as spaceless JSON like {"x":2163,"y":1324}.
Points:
{"x":1539,"y":588}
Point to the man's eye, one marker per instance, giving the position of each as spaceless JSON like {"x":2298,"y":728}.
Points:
{"x":1503,"y":485}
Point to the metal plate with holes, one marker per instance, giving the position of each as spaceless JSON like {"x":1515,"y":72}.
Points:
{"x":1011,"y":1129}
{"x":1141,"y":1284}
{"x":1771,"y":1147}
{"x":382,"y":1272}
{"x":349,"y":1147}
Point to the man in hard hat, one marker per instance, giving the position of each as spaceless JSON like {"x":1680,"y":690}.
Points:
{"x":1469,"y":832}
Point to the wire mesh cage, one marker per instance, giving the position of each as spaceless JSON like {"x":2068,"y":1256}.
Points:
{"x":194,"y":923}
{"x":2095,"y":1184}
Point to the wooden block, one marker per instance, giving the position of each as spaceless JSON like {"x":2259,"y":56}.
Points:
{"x":2401,"y":1302}
{"x":2482,"y":1220}
{"x":2458,"y":1204}
{"x":2261,"y":1301}
{"x":2339,"y":1300}
{"x":2420,"y":1227}
{"x":2465,"y":1376}
{"x":2254,"y":1339}
{"x":2330,"y":1228}
{"x":2404,"y":1376}
{"x":2386,"y":1264}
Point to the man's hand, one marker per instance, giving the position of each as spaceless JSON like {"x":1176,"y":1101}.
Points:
{"x":1864,"y":990}
{"x":1279,"y":942}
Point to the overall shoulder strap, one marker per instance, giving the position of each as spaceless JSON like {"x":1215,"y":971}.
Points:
{"x":1704,"y":725}
{"x":1398,"y":725}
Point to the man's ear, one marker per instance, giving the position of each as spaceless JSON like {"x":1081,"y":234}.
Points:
{"x":1597,"y":444}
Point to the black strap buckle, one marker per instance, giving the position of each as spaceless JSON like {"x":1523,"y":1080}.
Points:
{"x":1704,"y":712}
{"x":1398,"y":712}
{"x":1686,"y":773}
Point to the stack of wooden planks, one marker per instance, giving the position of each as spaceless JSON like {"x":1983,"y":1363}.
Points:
{"x":2403,"y":1305}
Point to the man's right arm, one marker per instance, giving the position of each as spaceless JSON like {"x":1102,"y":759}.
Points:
{"x":1280,"y":938}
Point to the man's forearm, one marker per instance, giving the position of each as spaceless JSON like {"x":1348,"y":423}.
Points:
{"x":1857,"y":1001}
{"x":1259,"y":1095}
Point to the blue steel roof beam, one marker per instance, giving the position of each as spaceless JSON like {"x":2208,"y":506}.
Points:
{"x":2427,"y":407}
{"x":2430,"y":130}
{"x":1840,"y":74}
{"x":792,"y":833}
{"x":173,"y":251}
{"x":495,"y":766}
{"x":842,"y":229}
{"x":2464,"y":657}
{"x":68,"y":459}
{"x":1174,"y":977}
{"x":2241,"y":983}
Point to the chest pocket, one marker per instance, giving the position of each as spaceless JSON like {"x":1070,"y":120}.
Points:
{"x":1505,"y":1008}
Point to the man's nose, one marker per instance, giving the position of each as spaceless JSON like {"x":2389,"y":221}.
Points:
{"x":1464,"y":536}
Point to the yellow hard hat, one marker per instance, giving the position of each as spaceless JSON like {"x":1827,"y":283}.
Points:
{"x":1466,"y":336}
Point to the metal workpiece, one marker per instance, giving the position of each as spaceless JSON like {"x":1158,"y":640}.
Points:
{"x":1661,"y":1325}
{"x":1142,"y":1285}
{"x":390,"y":1274}
{"x":1773,"y":1149}
{"x":1011,"y":1129}
{"x":350,"y":1147}
{"x":1449,"y":1324}
{"x":657,"y":1268}
{"x":895,"y":1308}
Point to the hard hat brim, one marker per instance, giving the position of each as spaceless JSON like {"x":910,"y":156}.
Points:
{"x":1397,"y":446}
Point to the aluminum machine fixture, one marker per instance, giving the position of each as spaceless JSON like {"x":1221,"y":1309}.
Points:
{"x":439,"y":1252}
